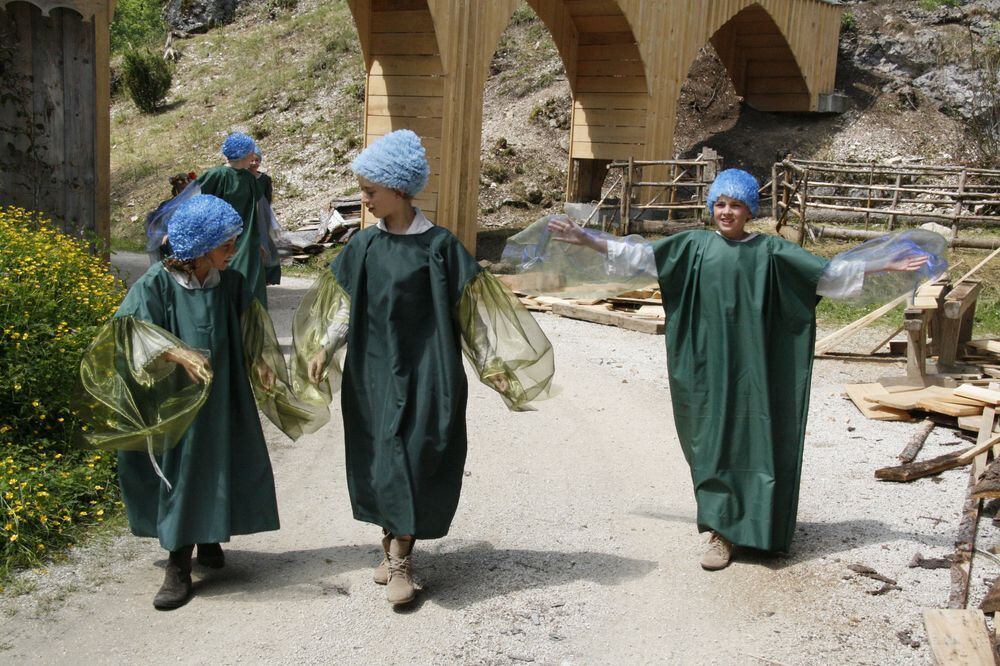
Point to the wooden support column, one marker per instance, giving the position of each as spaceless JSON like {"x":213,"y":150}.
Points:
{"x":467,"y":36}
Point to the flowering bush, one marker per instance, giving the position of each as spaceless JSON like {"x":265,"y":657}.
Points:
{"x":53,"y":297}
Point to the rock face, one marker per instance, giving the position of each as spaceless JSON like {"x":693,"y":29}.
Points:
{"x":199,"y":15}
{"x":925,"y":51}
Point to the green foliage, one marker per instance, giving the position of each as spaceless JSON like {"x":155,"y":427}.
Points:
{"x":848,"y":21}
{"x":523,"y":14}
{"x":137,"y":24}
{"x":53,"y":296}
{"x":554,"y":112}
{"x":147,"y":78}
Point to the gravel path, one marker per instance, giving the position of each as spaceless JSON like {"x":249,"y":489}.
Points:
{"x":574,"y":543}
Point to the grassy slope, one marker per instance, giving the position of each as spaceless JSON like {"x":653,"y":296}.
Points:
{"x":295,"y":83}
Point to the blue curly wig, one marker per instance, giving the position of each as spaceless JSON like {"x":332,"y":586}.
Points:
{"x":202,"y":224}
{"x":397,"y":160}
{"x":237,"y":146}
{"x":735,"y":184}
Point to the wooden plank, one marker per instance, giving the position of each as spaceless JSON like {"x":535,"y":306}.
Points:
{"x":604,"y":151}
{"x":615,"y":118}
{"x":600,"y":315}
{"x":611,"y":84}
{"x":616,"y":52}
{"x":958,"y":637}
{"x":608,"y":101}
{"x":423,"y":126}
{"x":381,"y":105}
{"x":605,"y":38}
{"x":603,"y":24}
{"x":978,"y":393}
{"x":396,"y":6}
{"x":592,"y":7}
{"x":762,"y":69}
{"x":602,"y":134}
{"x":987,"y":345}
{"x":406,"y":65}
{"x":415,"y":44}
{"x":610,"y":68}
{"x":861,"y":395}
{"x":948,"y":408}
{"x":405,"y":86}
{"x":412,"y":21}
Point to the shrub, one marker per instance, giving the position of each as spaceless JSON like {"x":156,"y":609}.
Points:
{"x":53,"y":297}
{"x":137,"y":23}
{"x":147,"y":78}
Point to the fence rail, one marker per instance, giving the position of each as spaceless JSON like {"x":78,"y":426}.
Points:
{"x":958,"y":196}
{"x":682,"y":188}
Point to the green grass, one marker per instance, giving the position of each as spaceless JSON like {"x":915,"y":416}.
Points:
{"x":282,"y":97}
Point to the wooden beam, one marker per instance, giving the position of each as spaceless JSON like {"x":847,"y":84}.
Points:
{"x":958,"y":637}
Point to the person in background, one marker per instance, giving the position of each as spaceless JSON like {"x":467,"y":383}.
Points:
{"x":272,"y":267}
{"x":234,"y":183}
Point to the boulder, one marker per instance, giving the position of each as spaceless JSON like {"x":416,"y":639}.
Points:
{"x":199,"y":15}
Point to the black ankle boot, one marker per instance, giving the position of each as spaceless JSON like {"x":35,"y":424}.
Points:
{"x":210,"y":555}
{"x":176,"y":588}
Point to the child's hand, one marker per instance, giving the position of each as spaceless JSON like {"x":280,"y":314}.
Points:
{"x":317,"y":367}
{"x":567,"y":231}
{"x":195,"y":365}
{"x":909,"y":263}
{"x":267,"y":376}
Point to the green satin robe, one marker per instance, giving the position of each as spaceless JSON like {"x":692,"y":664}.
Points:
{"x":404,"y":388}
{"x":220,"y":470}
{"x":741,"y":327}
{"x":242,"y":191}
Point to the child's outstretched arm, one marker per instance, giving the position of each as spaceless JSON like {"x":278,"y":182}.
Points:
{"x":892,"y":264}
{"x":625,"y":257}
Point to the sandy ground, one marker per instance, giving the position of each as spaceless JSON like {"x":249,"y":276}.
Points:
{"x":574,"y":544}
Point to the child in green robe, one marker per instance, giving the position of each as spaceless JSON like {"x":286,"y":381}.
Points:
{"x":741,"y":326}
{"x":407,"y":299}
{"x":217,"y":481}
{"x":235,"y":184}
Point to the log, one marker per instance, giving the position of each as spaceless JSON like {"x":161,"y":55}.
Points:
{"x":918,"y":470}
{"x":988,"y":486}
{"x":857,"y":234}
{"x":916,"y":442}
{"x":991,"y":603}
{"x":965,"y":543}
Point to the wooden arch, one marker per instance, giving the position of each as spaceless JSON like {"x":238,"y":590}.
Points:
{"x":625,"y":62}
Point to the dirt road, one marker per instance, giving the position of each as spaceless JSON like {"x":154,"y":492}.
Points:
{"x":574,"y":543}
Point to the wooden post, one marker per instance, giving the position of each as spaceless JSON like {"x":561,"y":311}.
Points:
{"x":673,"y":190}
{"x":627,"y":197}
{"x":803,"y":196}
{"x":955,"y":310}
{"x":774,"y":191}
{"x":915,"y":323}
{"x":895,"y":201}
{"x":868,"y":205}
{"x":958,"y":204}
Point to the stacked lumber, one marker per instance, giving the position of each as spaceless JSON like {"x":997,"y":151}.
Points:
{"x":636,"y":310}
{"x":986,"y":354}
{"x":903,"y":403}
{"x":340,"y":221}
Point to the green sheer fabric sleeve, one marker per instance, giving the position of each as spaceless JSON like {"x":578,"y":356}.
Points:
{"x":504,"y":343}
{"x":269,"y":377}
{"x":320,"y":325}
{"x":128,"y":396}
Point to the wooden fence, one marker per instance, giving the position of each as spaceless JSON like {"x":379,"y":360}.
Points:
{"x":885,"y":194}
{"x":681,"y":196}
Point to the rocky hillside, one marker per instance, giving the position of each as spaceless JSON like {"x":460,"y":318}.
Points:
{"x":291,"y":74}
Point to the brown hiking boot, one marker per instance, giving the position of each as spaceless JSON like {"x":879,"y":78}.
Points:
{"x":381,"y":573}
{"x":210,"y":555}
{"x":176,"y":588}
{"x":718,"y":553}
{"x":399,"y":589}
